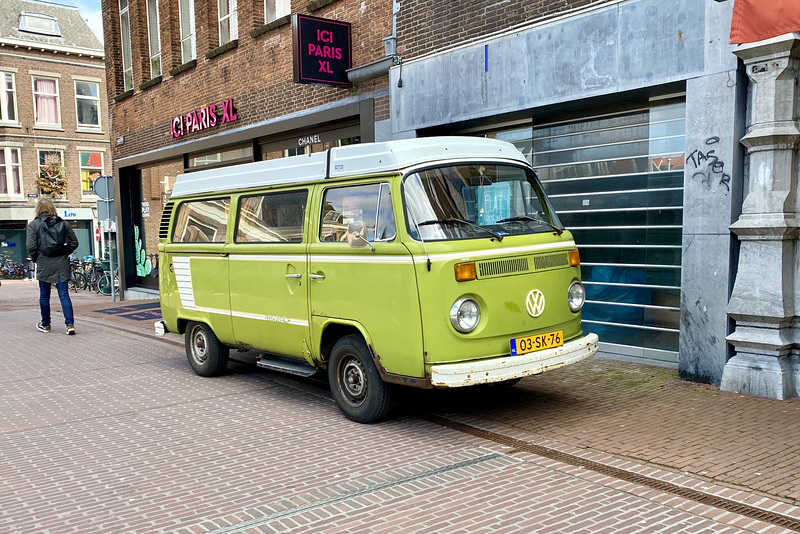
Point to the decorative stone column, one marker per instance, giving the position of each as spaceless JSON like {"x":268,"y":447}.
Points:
{"x":765,"y":302}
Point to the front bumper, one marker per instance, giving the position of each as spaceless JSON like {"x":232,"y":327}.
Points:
{"x":455,"y":375}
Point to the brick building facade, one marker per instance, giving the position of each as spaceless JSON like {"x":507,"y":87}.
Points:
{"x":259,"y":112}
{"x":53,"y":110}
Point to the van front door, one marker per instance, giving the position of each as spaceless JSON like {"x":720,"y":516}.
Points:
{"x":268,"y":266}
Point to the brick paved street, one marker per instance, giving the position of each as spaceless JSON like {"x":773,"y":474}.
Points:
{"x":110,"y":431}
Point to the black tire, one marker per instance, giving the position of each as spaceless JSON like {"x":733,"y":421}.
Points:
{"x":104,"y":284}
{"x":206,"y":354}
{"x":355,"y":382}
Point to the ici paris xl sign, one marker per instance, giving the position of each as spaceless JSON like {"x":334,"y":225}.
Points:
{"x":205,"y":117}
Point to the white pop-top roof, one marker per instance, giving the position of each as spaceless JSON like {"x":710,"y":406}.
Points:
{"x":347,"y":161}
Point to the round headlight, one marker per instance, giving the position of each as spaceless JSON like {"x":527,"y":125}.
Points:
{"x":577,"y":296}
{"x":465,"y":315}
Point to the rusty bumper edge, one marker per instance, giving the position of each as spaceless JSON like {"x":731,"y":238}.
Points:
{"x":510,"y":367}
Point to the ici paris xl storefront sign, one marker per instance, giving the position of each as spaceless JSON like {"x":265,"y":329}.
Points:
{"x":322,"y":50}
{"x":200,"y":119}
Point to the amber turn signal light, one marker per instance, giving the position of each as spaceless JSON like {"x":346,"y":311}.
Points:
{"x":465,"y":271}
{"x":574,"y":258}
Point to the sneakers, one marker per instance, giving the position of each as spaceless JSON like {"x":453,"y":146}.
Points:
{"x":42,"y":328}
{"x":70,"y":330}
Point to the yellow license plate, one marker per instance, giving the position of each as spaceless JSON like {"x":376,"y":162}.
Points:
{"x":548,"y":340}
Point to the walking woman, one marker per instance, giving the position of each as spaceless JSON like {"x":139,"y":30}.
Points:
{"x":52,"y":261}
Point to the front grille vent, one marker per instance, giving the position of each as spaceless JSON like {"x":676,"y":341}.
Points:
{"x":166,"y":215}
{"x":550,"y":261}
{"x":501,"y":267}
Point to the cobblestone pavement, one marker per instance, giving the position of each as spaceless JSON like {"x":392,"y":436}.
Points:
{"x":110,"y":431}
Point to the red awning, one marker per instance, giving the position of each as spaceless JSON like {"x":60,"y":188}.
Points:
{"x":756,"y":20}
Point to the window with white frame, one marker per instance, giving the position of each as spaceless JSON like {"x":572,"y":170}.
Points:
{"x":275,"y":9}
{"x":154,"y":38}
{"x":127,"y":58}
{"x":8,"y":97}
{"x":186,"y":12}
{"x":10,"y":172}
{"x":45,"y":102}
{"x":51,"y":163}
{"x":39,"y":23}
{"x":91,"y":168}
{"x":87,"y":103}
{"x":228,"y":25}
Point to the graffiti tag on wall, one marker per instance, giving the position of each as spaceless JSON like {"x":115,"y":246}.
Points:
{"x":709,"y":169}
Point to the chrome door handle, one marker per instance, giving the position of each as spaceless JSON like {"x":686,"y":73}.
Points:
{"x":316,"y":276}
{"x":295,"y":275}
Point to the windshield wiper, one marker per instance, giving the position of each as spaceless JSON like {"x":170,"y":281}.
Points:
{"x":557,"y":230}
{"x":453,"y":220}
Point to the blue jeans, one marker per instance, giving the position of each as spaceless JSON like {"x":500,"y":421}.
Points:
{"x":63,"y":295}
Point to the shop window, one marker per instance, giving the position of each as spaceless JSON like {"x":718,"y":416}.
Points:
{"x":45,"y":102}
{"x":363,"y":210}
{"x":39,"y":23}
{"x":154,"y":38}
{"x":275,"y":9}
{"x":202,"y":221}
{"x":87,"y":103}
{"x":91,"y":168}
{"x":228,"y":23}
{"x":219,"y":159}
{"x":272,"y":218}
{"x":188,"y":47}
{"x":10,"y":172}
{"x":127,"y":58}
{"x":8,"y":98}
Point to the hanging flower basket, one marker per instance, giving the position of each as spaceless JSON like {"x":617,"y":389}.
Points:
{"x":53,"y":179}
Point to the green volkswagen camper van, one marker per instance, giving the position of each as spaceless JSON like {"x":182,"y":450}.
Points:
{"x":431,"y":263}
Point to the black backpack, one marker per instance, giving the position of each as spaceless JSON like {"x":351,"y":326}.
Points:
{"x":54,"y":237}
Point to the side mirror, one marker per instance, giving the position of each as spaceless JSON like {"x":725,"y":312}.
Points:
{"x":355,"y":236}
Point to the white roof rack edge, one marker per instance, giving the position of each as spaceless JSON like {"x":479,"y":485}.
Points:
{"x":352,"y":160}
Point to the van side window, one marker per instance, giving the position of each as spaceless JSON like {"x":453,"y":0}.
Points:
{"x":272,"y":218}
{"x":369,"y":204}
{"x":202,"y":221}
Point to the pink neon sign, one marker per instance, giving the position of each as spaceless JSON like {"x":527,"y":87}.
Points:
{"x":203,"y":118}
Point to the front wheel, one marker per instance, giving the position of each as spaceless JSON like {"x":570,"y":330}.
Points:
{"x":355,"y":382}
{"x":206,"y":354}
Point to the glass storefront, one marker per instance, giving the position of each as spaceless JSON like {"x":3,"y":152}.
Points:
{"x":616,"y":182}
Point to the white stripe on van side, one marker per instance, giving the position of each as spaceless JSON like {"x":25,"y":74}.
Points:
{"x":393,"y":260}
{"x":267,"y":257}
{"x":271,"y":318}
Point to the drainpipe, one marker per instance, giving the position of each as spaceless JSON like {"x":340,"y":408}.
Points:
{"x":377,"y":69}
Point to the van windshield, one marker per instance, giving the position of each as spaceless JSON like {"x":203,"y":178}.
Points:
{"x":472,"y":201}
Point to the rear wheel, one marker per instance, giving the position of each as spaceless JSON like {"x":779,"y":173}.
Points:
{"x":355,"y":382}
{"x":206,"y":354}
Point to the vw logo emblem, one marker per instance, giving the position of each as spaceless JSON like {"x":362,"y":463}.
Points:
{"x":534,"y":303}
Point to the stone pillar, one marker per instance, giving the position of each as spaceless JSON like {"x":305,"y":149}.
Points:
{"x":765,"y":302}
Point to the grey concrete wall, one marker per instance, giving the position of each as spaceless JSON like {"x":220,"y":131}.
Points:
{"x":712,"y":199}
{"x":630,"y":45}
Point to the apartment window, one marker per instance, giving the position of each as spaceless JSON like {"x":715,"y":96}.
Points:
{"x":228,"y":25}
{"x":10,"y":172}
{"x":154,"y":38}
{"x":186,"y":12}
{"x":87,"y":102}
{"x":39,"y":23}
{"x":50,"y":159}
{"x":91,"y":168}
{"x":8,"y":98}
{"x":45,"y":102}
{"x":275,"y":9}
{"x":127,"y":59}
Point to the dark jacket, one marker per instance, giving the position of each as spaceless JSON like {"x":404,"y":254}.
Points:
{"x":48,"y":270}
